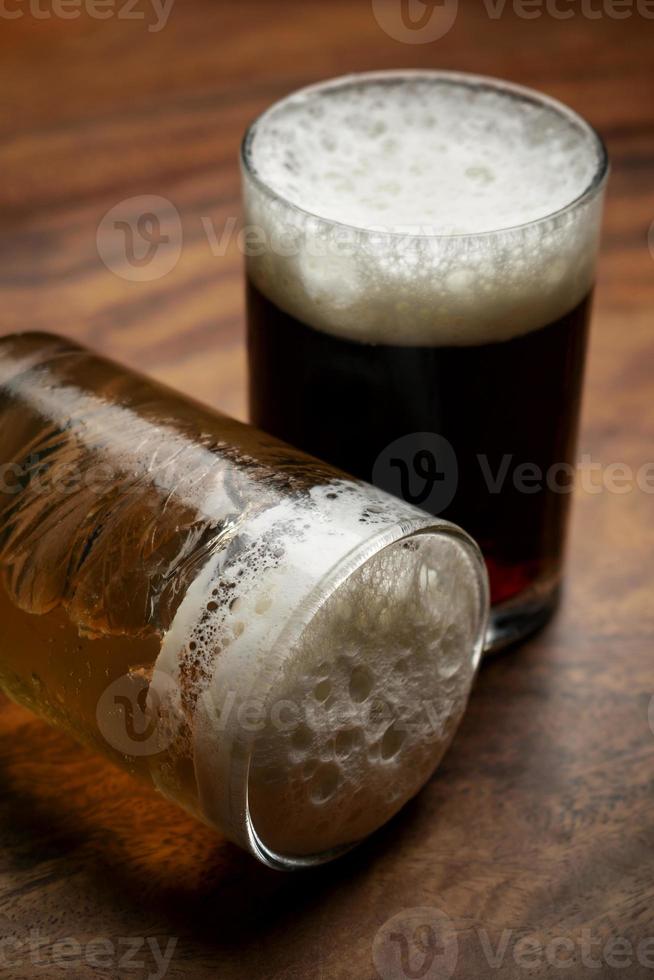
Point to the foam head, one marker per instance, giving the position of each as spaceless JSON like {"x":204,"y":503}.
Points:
{"x":366,"y":706}
{"x":423,"y":208}
{"x":323,"y":661}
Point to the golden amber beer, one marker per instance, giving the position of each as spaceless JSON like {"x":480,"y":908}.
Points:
{"x":280,"y":649}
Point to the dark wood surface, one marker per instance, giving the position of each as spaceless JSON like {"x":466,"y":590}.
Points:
{"x":541,"y":821}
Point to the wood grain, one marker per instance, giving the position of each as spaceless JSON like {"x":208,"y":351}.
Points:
{"x":540,"y":821}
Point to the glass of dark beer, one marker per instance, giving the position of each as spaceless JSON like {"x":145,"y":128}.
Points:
{"x":421,"y":251}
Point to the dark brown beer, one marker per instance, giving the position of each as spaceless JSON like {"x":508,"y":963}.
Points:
{"x":423,"y":257}
{"x":501,"y":406}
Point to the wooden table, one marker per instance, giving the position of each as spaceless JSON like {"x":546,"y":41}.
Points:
{"x":540,"y":822}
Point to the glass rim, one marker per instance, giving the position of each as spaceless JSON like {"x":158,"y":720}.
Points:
{"x":242,"y":748}
{"x":470,"y":80}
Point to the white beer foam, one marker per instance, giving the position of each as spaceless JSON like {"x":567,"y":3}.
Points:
{"x":431,"y":208}
{"x":363,"y":712}
{"x":404,"y":626}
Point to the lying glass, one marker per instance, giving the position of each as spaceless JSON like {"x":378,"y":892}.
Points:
{"x":282,"y":650}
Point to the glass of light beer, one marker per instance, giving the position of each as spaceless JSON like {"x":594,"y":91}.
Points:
{"x":420,"y":267}
{"x":282,"y":650}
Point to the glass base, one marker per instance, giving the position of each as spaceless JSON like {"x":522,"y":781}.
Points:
{"x":514,"y":620}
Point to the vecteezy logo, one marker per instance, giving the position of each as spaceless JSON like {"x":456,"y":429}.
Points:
{"x":140,"y":239}
{"x":415,"y":21}
{"x":128,"y":716}
{"x":416,"y":944}
{"x":421,"y":468}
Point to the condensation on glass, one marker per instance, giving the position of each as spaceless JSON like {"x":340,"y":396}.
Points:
{"x":282,"y":650}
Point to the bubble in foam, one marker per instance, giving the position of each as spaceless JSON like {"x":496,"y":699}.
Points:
{"x":379,"y":736}
{"x":423,"y":208}
{"x":335,"y":727}
{"x":428,"y":152}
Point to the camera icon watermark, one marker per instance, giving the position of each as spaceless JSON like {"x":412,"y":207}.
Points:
{"x":426,"y":21}
{"x":415,"y":21}
{"x":128,"y":713}
{"x":422,"y":944}
{"x":650,"y":714}
{"x":416,"y":944}
{"x":420,"y":468}
{"x":140,"y":238}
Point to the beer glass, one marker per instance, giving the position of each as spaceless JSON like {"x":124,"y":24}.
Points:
{"x":280,"y":649}
{"x":421,"y":249}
